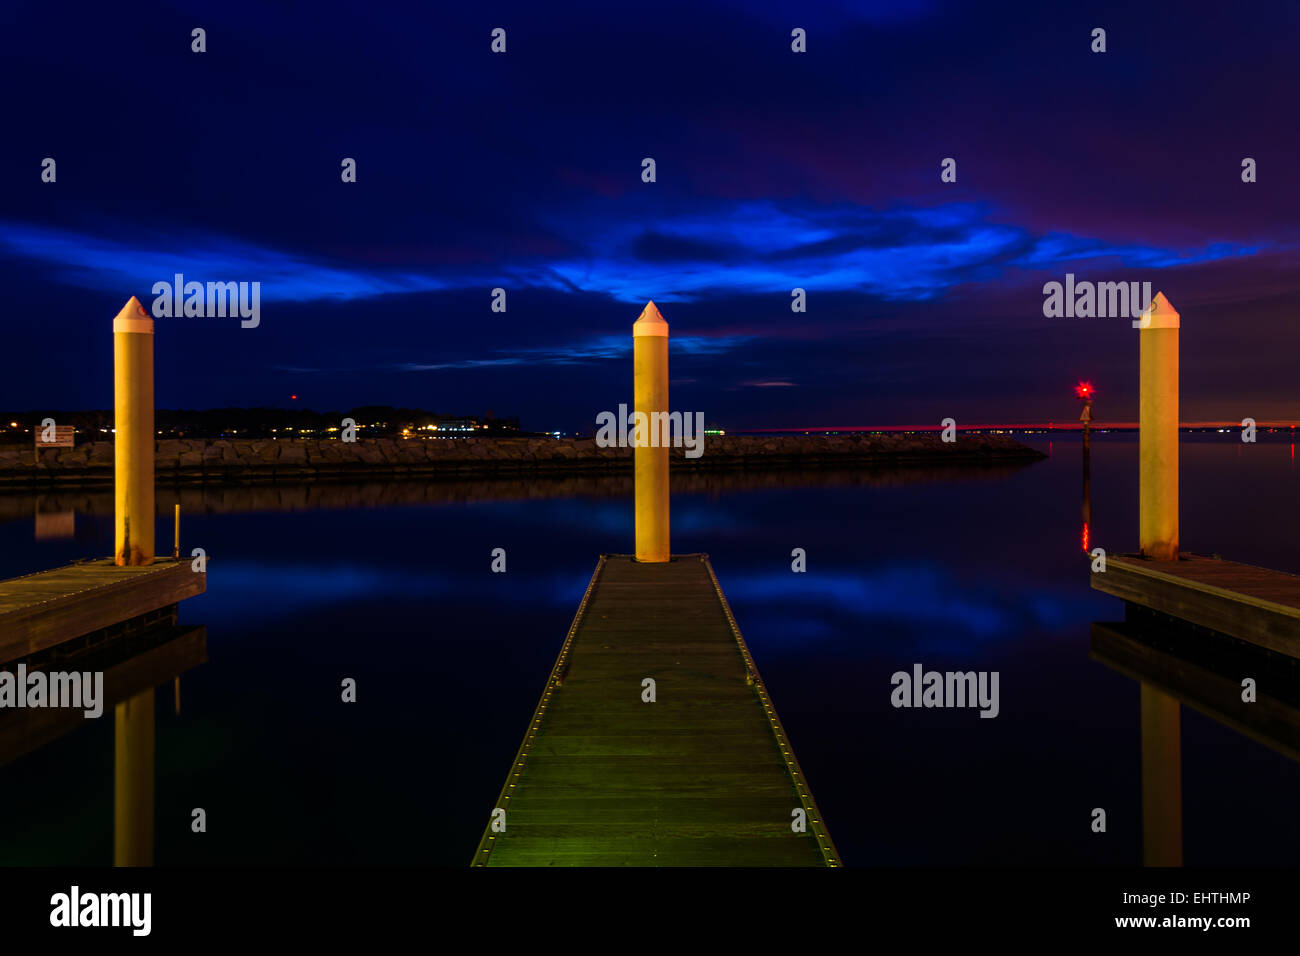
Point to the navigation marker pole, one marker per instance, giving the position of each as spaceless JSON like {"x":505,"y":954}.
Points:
{"x":133,"y":442}
{"x":650,"y":395}
{"x":1158,"y":430}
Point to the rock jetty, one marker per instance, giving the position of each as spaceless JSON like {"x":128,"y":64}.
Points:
{"x":240,"y":460}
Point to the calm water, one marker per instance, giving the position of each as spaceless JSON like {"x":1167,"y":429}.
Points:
{"x":390,"y":585}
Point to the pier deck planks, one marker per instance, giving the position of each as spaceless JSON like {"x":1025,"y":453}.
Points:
{"x":42,"y":610}
{"x":704,"y":776}
{"x":1256,"y":605}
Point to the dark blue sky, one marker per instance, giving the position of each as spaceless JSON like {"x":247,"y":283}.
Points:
{"x":775,"y":170}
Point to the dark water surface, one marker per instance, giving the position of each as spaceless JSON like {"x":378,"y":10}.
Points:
{"x":957,"y":570}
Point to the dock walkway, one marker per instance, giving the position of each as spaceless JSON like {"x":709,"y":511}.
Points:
{"x":1255,"y":605}
{"x":704,"y":775}
{"x":40,"y":611}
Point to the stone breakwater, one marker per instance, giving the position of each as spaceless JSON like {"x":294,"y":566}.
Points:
{"x":226,"y":460}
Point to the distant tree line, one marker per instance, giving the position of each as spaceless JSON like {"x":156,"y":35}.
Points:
{"x":372,"y":421}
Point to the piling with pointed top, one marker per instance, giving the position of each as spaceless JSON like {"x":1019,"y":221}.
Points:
{"x":1158,"y":430}
{"x":133,"y":443}
{"x":650,"y":395}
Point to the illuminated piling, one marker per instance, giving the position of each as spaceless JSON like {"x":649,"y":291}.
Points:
{"x":650,"y":395}
{"x":133,"y":781}
{"x":134,"y":439}
{"x":1162,"y":779}
{"x":1158,"y":431}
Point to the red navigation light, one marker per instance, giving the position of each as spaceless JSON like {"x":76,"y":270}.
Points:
{"x":1084,"y":390}
{"x":294,"y":397}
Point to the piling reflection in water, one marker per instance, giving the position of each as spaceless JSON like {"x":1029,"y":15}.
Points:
{"x":134,"y":662}
{"x":1162,"y":779}
{"x":1176,"y":665}
{"x":133,"y":780}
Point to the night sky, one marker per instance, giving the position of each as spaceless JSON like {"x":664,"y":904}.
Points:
{"x":775,"y":170}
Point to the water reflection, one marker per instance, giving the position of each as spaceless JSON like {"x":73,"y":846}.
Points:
{"x":133,"y":664}
{"x":1162,"y":779}
{"x":133,"y":780}
{"x":282,"y":497}
{"x":1178,"y":665}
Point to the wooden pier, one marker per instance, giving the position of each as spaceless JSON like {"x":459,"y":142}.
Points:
{"x":40,"y":611}
{"x":1255,"y":605}
{"x":702,"y":776}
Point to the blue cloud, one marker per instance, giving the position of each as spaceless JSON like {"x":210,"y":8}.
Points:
{"x":715,"y":247}
{"x":97,"y":262}
{"x":706,"y":248}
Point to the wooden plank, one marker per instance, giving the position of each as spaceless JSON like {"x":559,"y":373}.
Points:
{"x":41,"y":610}
{"x":1215,"y":692}
{"x":26,"y":730}
{"x":1252,"y":604}
{"x":704,"y":776}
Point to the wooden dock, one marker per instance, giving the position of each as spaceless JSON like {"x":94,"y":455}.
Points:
{"x":40,"y":611}
{"x":1255,"y":605}
{"x":703,"y":776}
